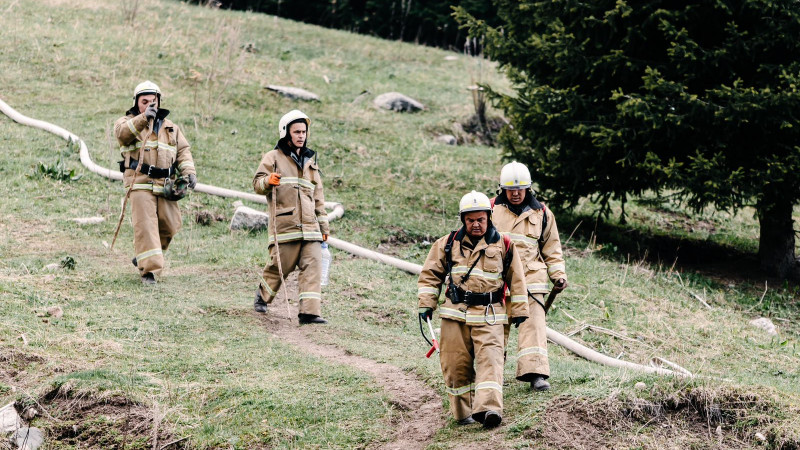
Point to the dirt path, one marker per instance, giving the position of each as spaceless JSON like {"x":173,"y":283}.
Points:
{"x":416,"y":403}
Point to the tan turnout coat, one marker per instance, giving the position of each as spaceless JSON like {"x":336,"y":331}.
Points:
{"x":485,"y":277}
{"x":539,"y":250}
{"x":168,"y":147}
{"x":300,"y":201}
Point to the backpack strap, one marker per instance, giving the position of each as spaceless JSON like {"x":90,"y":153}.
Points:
{"x":544,"y":226}
{"x":448,"y":252}
{"x":507,"y":258}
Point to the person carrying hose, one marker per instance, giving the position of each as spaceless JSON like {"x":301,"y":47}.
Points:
{"x":289,"y":176}
{"x":477,"y":266}
{"x":154,"y":152}
{"x":532,"y":228}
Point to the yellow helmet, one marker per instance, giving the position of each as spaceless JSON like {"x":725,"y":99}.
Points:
{"x":292,"y":116}
{"x":145,"y":88}
{"x":474,"y":201}
{"x":515,"y":176}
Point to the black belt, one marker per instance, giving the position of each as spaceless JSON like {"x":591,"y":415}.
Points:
{"x":152,"y":171}
{"x":477,"y":298}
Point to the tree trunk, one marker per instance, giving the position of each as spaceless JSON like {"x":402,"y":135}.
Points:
{"x":776,"y":244}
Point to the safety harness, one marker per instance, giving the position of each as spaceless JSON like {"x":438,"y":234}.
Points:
{"x":458,"y":295}
{"x":151,"y":171}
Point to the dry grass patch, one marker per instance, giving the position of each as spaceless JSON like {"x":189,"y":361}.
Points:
{"x":691,"y":417}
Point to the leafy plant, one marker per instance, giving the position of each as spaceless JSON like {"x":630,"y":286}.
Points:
{"x":58,"y":170}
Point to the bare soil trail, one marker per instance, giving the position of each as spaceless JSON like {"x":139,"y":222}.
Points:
{"x":419,"y":407}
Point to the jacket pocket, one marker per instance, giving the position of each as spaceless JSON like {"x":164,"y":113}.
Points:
{"x":492,"y":260}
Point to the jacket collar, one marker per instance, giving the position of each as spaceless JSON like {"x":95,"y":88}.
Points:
{"x":530,"y":202}
{"x":306,"y":154}
{"x":491,"y":236}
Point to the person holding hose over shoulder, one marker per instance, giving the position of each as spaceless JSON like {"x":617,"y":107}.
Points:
{"x":477,"y":265}
{"x":289,"y":176}
{"x":532,"y":227}
{"x":155,"y":151}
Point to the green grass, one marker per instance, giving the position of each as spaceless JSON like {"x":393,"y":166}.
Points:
{"x":193,"y":346}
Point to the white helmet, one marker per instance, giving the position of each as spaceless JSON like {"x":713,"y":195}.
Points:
{"x":515,"y":176}
{"x":146,"y":87}
{"x":474,"y":201}
{"x":290,"y":117}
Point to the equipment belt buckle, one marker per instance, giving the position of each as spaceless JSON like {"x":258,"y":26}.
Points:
{"x":149,"y":171}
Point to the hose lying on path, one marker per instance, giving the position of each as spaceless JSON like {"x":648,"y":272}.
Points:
{"x":338,"y":211}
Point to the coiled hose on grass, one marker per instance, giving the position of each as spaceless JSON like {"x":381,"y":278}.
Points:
{"x":337,"y":212}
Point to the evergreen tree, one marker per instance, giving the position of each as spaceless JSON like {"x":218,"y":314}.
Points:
{"x":699,"y":98}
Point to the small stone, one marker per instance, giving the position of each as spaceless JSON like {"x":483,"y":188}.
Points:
{"x":449,"y":58}
{"x":28,"y":438}
{"x":234,"y":131}
{"x":640,"y":386}
{"x":761,"y":437}
{"x":88,"y":220}
{"x":395,"y":101}
{"x":765,"y":324}
{"x":448,"y":139}
{"x":55,"y":311}
{"x":293,"y":93}
{"x":245,"y":218}
{"x":29,"y":413}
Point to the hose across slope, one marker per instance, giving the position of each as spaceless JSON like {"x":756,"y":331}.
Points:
{"x":337,"y":212}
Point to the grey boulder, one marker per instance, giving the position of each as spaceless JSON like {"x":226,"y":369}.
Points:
{"x":395,"y":101}
{"x":294,"y":93}
{"x":245,"y":218}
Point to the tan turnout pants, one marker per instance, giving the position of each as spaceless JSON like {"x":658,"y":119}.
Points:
{"x":307,"y":257}
{"x":155,"y":222}
{"x":472,"y":364}
{"x":532,"y":342}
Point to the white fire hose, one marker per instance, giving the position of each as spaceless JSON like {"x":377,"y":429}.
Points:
{"x":337,"y":212}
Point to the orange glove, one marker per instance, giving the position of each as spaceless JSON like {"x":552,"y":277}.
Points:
{"x":324,"y":237}
{"x":274,"y":179}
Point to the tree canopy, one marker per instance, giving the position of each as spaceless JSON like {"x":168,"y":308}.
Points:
{"x":614,"y":98}
{"x":424,"y":21}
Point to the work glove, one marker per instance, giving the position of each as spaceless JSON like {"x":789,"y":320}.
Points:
{"x":425,"y":314}
{"x":274,"y":179}
{"x":560,"y":285}
{"x":518,"y":320}
{"x":151,"y":111}
{"x":324,"y":237}
{"x":192,"y":180}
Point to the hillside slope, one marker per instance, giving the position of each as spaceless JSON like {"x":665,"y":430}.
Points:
{"x":190,"y":359}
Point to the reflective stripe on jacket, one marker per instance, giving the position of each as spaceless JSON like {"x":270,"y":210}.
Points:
{"x":485,"y":277}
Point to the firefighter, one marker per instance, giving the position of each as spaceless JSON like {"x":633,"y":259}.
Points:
{"x":290,"y":172}
{"x":532,"y":228}
{"x":478,"y":265}
{"x":155,"y":214}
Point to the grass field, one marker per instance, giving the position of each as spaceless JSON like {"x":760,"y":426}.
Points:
{"x":190,"y":359}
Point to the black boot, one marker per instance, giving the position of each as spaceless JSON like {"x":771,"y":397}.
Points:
{"x":540,"y":383}
{"x":149,"y":279}
{"x":466,"y":421}
{"x":492,"y":419}
{"x":310,"y":318}
{"x":259,"y":304}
